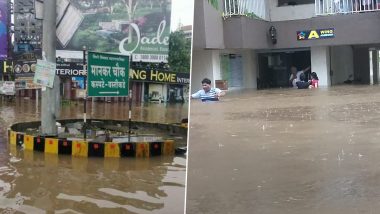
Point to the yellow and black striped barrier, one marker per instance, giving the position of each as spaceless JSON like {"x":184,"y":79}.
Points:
{"x":90,"y":149}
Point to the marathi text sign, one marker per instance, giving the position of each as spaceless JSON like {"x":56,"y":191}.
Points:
{"x":3,"y":29}
{"x":316,"y":34}
{"x":107,"y":75}
{"x":160,"y":76}
{"x":45,"y":73}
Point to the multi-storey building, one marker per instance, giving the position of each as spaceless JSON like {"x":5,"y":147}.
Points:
{"x":253,"y":43}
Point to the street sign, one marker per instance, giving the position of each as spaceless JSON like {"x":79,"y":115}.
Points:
{"x":107,"y":75}
{"x":45,"y":73}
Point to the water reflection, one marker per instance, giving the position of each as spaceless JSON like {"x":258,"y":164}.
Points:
{"x":33,"y":182}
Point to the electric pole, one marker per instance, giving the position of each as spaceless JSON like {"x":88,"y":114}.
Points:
{"x":50,"y":105}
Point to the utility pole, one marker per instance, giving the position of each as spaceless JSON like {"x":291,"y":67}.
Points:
{"x":50,"y":97}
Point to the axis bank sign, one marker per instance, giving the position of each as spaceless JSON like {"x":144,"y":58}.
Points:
{"x":148,"y":48}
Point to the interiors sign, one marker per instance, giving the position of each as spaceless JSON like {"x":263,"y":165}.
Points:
{"x":70,"y":69}
{"x":160,"y":76}
{"x":316,"y":34}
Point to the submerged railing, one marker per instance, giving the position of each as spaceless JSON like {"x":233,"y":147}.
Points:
{"x":326,"y":7}
{"x":250,"y":8}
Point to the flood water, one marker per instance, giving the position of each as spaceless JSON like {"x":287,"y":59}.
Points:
{"x":286,"y":151}
{"x":33,"y":182}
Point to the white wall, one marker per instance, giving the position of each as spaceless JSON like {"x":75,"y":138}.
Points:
{"x":216,"y":67}
{"x":320,"y":63}
{"x":283,"y":13}
{"x":205,"y":64}
{"x":342,"y":63}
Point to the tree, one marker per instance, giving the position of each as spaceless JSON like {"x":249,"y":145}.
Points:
{"x":111,"y":4}
{"x":214,"y":3}
{"x":179,"y":52}
{"x":131,"y":6}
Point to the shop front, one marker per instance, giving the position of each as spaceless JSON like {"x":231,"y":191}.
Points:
{"x":159,"y":86}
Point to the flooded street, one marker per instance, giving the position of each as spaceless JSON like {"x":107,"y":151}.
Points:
{"x":33,"y":182}
{"x":286,"y":151}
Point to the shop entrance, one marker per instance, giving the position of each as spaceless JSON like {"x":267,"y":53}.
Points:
{"x":274,"y":67}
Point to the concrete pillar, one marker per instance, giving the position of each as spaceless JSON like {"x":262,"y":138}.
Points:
{"x":375,"y":66}
{"x":320,"y":63}
{"x":216,"y":69}
{"x":249,"y":69}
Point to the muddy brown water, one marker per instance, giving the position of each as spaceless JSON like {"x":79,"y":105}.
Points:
{"x":33,"y":182}
{"x":286,"y":151}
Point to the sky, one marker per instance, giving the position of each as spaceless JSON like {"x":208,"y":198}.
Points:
{"x":182,"y":12}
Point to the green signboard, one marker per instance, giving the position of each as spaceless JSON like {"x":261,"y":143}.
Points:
{"x":107,"y":75}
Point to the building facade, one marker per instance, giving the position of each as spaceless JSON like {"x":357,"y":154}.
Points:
{"x":253,"y":44}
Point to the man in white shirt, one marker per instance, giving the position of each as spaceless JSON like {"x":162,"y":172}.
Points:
{"x":295,"y":75}
{"x":208,"y":93}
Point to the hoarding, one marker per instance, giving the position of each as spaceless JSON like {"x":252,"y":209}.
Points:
{"x":137,"y":27}
{"x":316,"y":34}
{"x":24,"y":64}
{"x":26,"y":26}
{"x":3,"y":29}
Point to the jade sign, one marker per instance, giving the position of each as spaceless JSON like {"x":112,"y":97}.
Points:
{"x":107,"y":75}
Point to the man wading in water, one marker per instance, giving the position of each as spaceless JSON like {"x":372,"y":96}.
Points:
{"x":208,"y":93}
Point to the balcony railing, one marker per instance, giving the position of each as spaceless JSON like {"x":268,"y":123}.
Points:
{"x":250,"y":8}
{"x":326,"y":7}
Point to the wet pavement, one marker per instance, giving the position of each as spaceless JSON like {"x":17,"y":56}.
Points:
{"x":286,"y":151}
{"x":33,"y":182}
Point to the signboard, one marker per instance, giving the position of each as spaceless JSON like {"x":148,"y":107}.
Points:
{"x":24,"y":64}
{"x":3,"y":29}
{"x":69,"y":18}
{"x":78,"y":82}
{"x":107,"y":75}
{"x":26,"y":26}
{"x":316,"y":34}
{"x":70,"y":69}
{"x":7,"y":88}
{"x":136,"y":27}
{"x":26,"y":84}
{"x":159,"y":76}
{"x":45,"y":73}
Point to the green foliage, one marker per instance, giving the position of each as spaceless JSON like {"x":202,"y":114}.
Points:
{"x":214,"y":3}
{"x":252,"y":15}
{"x":179,"y":52}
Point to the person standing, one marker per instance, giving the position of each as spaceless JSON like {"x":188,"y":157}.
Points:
{"x":207,"y":93}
